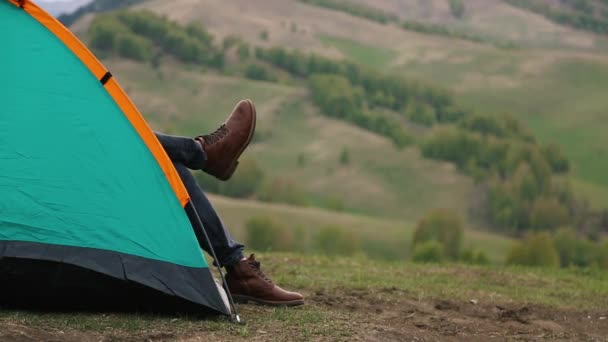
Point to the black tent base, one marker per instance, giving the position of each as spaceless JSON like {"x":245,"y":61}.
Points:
{"x":27,"y":284}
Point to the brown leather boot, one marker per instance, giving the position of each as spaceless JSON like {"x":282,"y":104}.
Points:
{"x":247,"y":283}
{"x":224,"y":146}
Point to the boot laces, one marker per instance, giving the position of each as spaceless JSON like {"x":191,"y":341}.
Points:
{"x":216,"y":136}
{"x":256,"y":266}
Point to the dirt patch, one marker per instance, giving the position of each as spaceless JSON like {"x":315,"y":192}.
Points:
{"x":392,"y":315}
{"x":387,"y":314}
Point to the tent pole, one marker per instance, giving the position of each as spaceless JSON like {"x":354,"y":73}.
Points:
{"x":237,"y":317}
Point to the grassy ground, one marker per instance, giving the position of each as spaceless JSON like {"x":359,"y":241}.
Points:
{"x":356,"y":299}
{"x":374,"y":57}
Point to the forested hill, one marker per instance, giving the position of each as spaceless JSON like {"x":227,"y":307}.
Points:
{"x":427,"y":117}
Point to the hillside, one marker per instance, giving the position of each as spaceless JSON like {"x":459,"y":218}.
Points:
{"x":542,"y":85}
{"x":190,"y":104}
{"x":297,"y":146}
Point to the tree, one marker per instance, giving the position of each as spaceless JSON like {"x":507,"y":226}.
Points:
{"x":103,"y":32}
{"x":421,"y":113}
{"x":556,"y":158}
{"x":264,"y":35}
{"x":134,"y":47}
{"x":243,"y":51}
{"x":443,"y":226}
{"x":548,"y":213}
{"x":457,"y":8}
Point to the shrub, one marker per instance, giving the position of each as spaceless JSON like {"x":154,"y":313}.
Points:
{"x":259,"y":73}
{"x":421,"y":114}
{"x":500,"y":126}
{"x":481,"y":258}
{"x":334,"y":240}
{"x":536,"y":249}
{"x":104,"y":31}
{"x":548,"y":213}
{"x":602,"y":255}
{"x":574,"y":250}
{"x":264,"y":35}
{"x":265,"y":233}
{"x":469,"y":256}
{"x":134,"y":47}
{"x":457,"y":8}
{"x":556,"y":158}
{"x":429,"y":251}
{"x":243,"y":51}
{"x":443,"y":226}
{"x":229,"y":41}
{"x":136,"y":34}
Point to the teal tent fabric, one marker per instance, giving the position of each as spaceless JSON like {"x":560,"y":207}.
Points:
{"x":82,"y":197}
{"x":73,"y":171}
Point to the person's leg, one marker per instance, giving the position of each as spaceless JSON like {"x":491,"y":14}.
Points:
{"x":228,"y":251}
{"x":217,"y":154}
{"x":244,"y":277}
{"x":182,"y":150}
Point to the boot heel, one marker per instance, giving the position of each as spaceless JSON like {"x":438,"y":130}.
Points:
{"x":229,"y":172}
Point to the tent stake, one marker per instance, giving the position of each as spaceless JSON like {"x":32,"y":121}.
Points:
{"x":237,"y":317}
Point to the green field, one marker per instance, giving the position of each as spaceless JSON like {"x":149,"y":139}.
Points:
{"x":360,"y":53}
{"x":560,"y":97}
{"x":567,"y":105}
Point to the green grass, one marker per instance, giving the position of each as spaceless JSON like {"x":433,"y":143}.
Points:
{"x":344,"y":296}
{"x":566,"y":105}
{"x":372,"y":56}
{"x":573,"y":289}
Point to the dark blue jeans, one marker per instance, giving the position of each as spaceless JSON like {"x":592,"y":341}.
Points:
{"x":186,"y":153}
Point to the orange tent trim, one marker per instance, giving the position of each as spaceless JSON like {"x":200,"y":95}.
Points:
{"x":114,"y":89}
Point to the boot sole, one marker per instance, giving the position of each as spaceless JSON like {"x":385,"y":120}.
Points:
{"x":230,"y":170}
{"x":246,"y":299}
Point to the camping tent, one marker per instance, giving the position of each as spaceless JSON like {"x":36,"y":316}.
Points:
{"x":87,"y":194}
